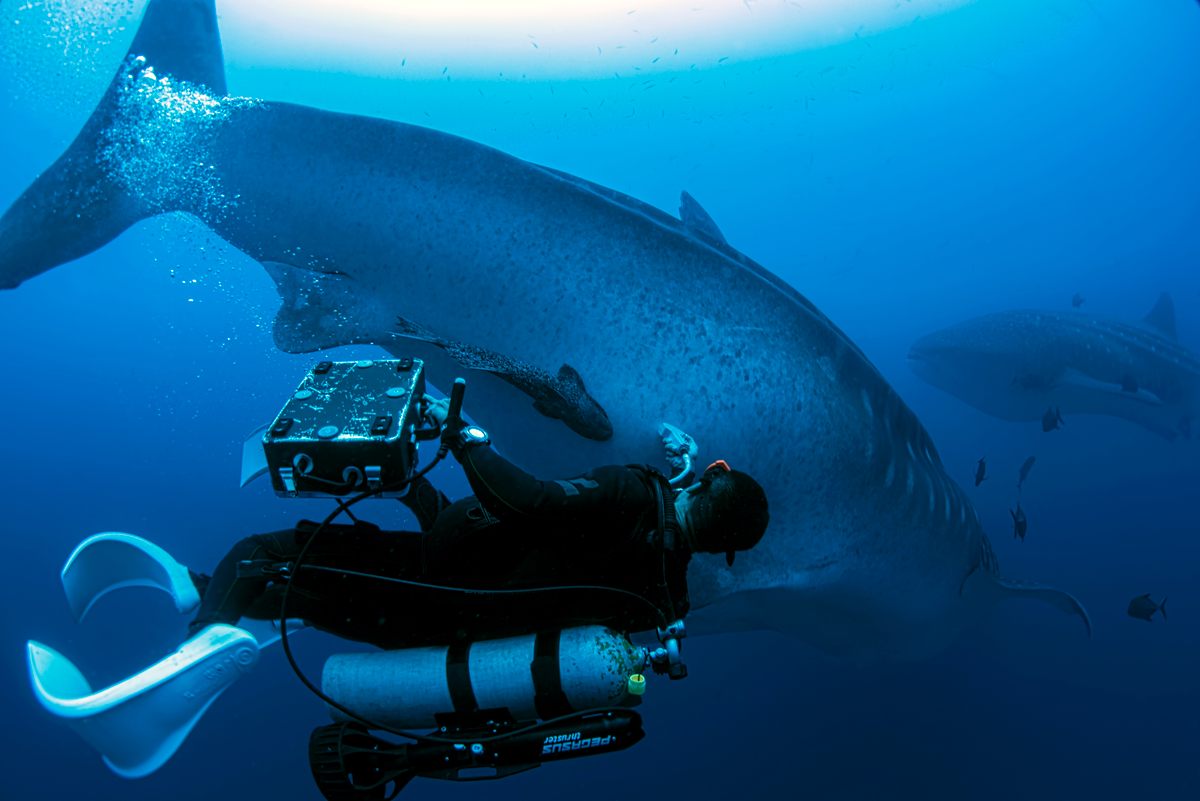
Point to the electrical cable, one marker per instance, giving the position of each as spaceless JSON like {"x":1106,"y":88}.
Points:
{"x":297,"y":566}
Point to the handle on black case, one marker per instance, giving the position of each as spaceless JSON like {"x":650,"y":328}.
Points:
{"x":454,"y":420}
{"x":454,"y":412}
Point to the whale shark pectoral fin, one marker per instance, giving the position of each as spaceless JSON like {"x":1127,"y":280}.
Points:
{"x":1127,"y":388}
{"x":138,"y":723}
{"x":112,"y":560}
{"x":1017,"y":588}
{"x":316,"y":309}
{"x":1088,"y":395}
{"x":699,"y":221}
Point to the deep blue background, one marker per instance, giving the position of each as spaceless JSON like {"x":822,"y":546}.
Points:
{"x":1004,"y":155}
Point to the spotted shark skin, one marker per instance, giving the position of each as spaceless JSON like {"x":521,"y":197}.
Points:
{"x":1015,"y":365}
{"x":872,"y":550}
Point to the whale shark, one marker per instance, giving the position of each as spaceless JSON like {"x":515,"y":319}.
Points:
{"x":1017,"y":364}
{"x":873,"y":550}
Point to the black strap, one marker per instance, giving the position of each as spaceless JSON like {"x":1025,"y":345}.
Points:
{"x":669,"y":523}
{"x":665,"y":536}
{"x":548,"y":697}
{"x":458,"y":679}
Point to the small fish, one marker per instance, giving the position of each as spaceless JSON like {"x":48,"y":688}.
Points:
{"x":1025,"y":468}
{"x":981,"y":471}
{"x":1020,"y":522}
{"x":1052,"y":419}
{"x":1077,"y":300}
{"x":1143,"y":608}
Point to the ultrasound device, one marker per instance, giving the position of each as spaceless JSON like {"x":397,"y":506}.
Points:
{"x":349,"y":427}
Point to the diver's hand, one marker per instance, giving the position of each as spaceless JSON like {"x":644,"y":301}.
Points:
{"x":679,"y":446}
{"x":435,"y":410}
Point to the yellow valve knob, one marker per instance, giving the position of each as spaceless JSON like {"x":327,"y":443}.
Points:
{"x":636,"y":684}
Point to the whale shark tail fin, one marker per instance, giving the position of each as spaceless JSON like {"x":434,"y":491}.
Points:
{"x":113,"y":174}
{"x":180,"y":38}
{"x":1017,"y":588}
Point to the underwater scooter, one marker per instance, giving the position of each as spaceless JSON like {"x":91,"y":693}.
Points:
{"x":497,"y":705}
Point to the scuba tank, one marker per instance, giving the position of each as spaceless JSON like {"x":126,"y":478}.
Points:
{"x":534,"y":676}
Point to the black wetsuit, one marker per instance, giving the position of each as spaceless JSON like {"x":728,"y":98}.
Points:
{"x":600,"y":529}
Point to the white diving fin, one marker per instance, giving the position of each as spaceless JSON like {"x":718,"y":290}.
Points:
{"x":110,"y":561}
{"x":254,"y":458}
{"x":138,"y":723}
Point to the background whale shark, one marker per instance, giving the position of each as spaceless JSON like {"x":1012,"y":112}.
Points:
{"x":873,"y":549}
{"x":1014,"y":365}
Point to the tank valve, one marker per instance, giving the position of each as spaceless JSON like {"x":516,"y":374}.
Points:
{"x":668,"y":658}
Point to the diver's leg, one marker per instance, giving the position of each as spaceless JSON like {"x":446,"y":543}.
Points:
{"x":333,"y":590}
{"x":228,"y":595}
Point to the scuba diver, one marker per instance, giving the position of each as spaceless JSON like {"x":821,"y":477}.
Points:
{"x":511,"y":605}
{"x":595,"y":531}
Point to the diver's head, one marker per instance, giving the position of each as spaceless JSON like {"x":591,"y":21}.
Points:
{"x":724,"y":512}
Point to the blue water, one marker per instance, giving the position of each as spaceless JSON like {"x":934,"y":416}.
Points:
{"x":1003,"y":155}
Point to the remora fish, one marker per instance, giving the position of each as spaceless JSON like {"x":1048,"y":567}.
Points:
{"x":1020,"y":522}
{"x":1052,"y":420}
{"x":563,"y":397}
{"x":873,"y":549}
{"x":1026,"y":466}
{"x":1013,"y":365}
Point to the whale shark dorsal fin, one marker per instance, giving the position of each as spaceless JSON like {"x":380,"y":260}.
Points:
{"x":697,"y":219}
{"x":180,"y":38}
{"x":1162,"y":316}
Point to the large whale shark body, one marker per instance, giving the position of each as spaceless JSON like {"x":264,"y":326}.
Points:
{"x":374,"y":230}
{"x":1016,"y":364}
